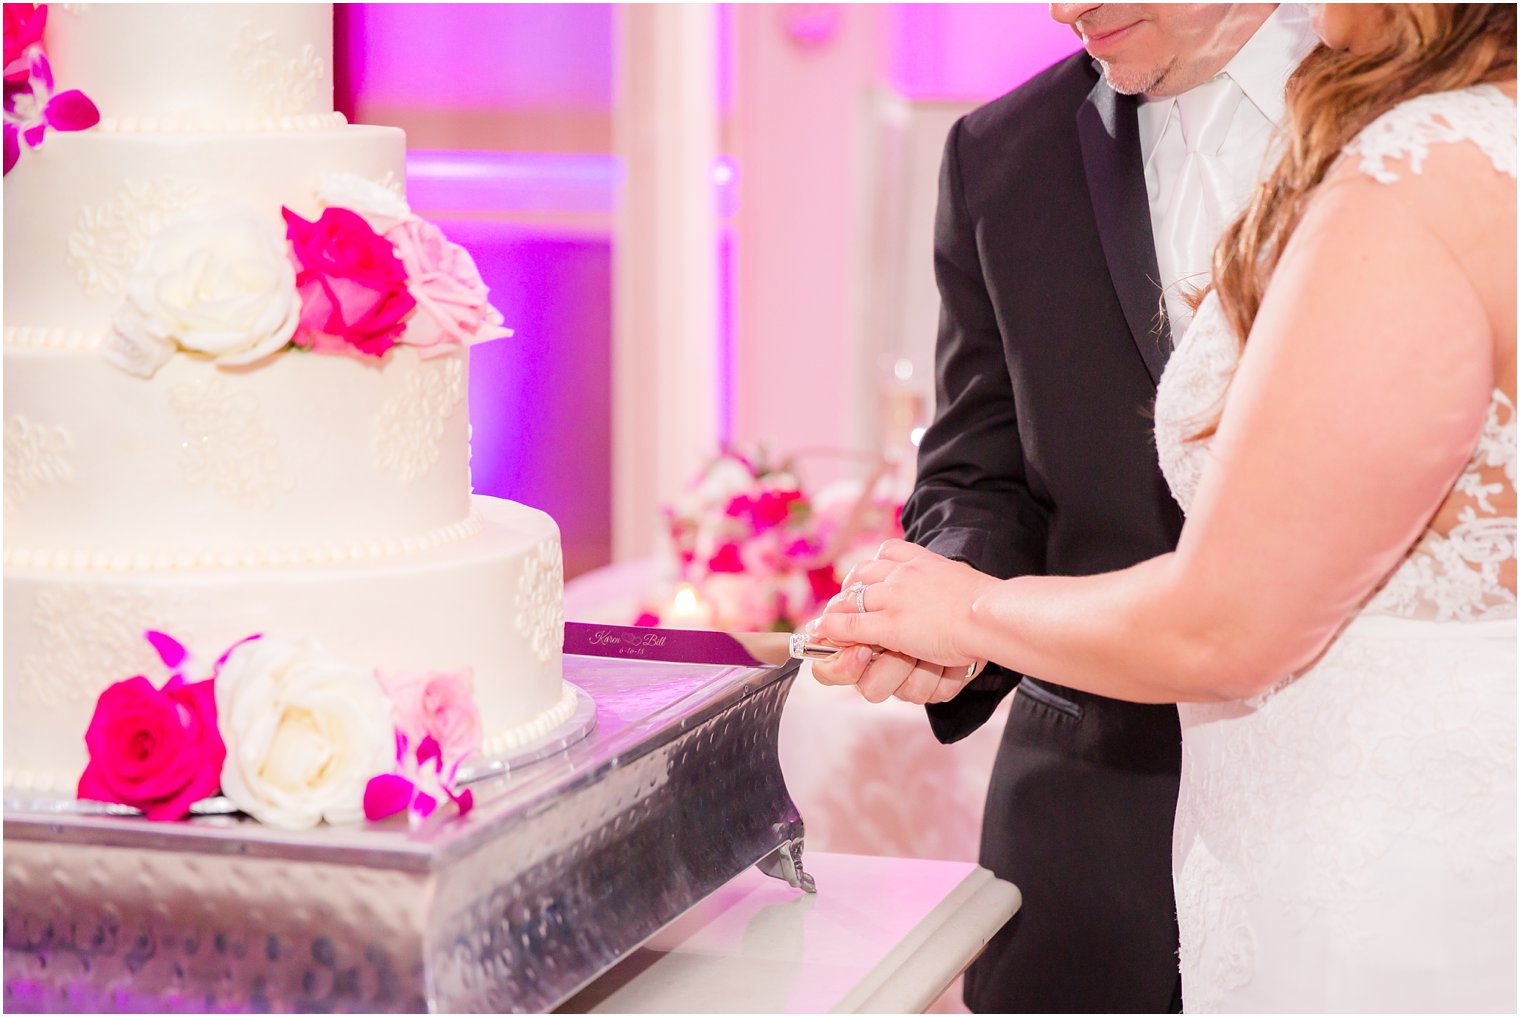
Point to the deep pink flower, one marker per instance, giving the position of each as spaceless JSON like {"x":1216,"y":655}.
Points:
{"x":823,"y":583}
{"x":23,"y":31}
{"x":726,"y":560}
{"x":157,"y":750}
{"x":353,"y":288}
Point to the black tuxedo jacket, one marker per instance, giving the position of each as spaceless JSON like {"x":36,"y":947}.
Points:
{"x":1041,"y":460}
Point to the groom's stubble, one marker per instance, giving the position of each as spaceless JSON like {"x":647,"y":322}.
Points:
{"x":1159,"y":50}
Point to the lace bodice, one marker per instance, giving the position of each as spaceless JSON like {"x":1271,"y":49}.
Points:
{"x":1452,"y":573}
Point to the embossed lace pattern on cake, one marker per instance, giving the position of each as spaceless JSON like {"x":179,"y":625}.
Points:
{"x":540,"y":601}
{"x":284,"y":85}
{"x":110,"y":237}
{"x":225,"y":444}
{"x":410,"y":426}
{"x":86,"y":640}
{"x":36,"y":455}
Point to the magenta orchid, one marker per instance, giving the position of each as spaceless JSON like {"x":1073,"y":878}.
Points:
{"x":422,"y":780}
{"x":33,"y":106}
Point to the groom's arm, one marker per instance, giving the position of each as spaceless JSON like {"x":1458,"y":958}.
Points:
{"x":971,"y":501}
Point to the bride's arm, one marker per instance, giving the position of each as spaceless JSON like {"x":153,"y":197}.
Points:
{"x":1356,"y":404}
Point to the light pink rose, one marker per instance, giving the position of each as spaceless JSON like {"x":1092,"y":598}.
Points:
{"x":437,"y":704}
{"x":450,"y":295}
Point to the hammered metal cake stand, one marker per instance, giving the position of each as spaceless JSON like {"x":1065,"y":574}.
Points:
{"x":567,"y":864}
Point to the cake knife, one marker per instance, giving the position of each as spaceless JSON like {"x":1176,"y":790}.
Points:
{"x":693,"y":646}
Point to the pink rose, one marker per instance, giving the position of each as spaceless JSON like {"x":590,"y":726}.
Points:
{"x":436,"y":704}
{"x":443,"y":279}
{"x":353,"y":288}
{"x":23,"y":30}
{"x":155,"y":750}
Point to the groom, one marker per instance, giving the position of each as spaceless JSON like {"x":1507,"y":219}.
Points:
{"x":1071,"y":211}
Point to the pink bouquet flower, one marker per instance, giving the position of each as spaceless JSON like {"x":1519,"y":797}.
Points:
{"x":450,"y":295}
{"x":751,"y":545}
{"x":353,"y":288}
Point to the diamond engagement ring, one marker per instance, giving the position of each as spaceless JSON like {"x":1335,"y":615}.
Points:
{"x":858,"y":591}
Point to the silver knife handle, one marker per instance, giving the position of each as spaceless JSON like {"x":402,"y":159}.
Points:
{"x":801,"y":648}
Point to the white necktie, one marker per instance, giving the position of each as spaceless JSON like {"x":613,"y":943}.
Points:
{"x":1202,"y":198}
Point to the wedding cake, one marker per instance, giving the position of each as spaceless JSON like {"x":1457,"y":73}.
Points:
{"x":228,"y":412}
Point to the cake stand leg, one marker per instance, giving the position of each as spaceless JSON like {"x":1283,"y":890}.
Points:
{"x":786,"y":863}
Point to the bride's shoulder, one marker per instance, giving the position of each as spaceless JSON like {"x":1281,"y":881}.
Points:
{"x":1477,"y":125}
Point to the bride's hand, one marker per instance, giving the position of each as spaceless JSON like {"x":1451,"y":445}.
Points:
{"x":916,"y":607}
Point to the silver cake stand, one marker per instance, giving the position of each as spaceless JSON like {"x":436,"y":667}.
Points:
{"x":664,"y":786}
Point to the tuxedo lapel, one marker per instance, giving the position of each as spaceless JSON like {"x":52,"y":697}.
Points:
{"x":1109,"y":131}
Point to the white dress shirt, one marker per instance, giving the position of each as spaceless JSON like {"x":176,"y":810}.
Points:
{"x":1204,"y":152}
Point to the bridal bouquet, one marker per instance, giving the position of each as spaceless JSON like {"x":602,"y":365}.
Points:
{"x":750,"y":549}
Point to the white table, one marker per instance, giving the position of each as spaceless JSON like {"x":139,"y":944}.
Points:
{"x":881,"y":935}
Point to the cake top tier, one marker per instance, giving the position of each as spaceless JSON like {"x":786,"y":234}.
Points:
{"x":197,"y":66}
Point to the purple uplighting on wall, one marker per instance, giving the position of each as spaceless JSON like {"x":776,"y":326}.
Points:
{"x":971,"y":51}
{"x":517,"y":55}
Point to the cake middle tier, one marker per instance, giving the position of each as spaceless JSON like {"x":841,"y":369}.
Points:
{"x":303,"y":459}
{"x":81,"y":210}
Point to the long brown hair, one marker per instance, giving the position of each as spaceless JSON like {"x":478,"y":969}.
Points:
{"x":1330,"y":97}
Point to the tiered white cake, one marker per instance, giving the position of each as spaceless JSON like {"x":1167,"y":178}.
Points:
{"x":306,"y":495}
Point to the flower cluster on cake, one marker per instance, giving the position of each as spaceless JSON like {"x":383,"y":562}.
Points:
{"x":236,"y":369}
{"x":751,"y":549}
{"x":289,"y":733}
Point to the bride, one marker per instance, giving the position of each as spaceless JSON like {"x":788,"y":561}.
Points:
{"x":1337,"y":622}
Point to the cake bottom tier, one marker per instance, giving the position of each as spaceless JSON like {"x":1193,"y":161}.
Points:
{"x":493,"y":604}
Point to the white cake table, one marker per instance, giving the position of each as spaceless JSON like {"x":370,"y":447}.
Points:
{"x":881,"y":935}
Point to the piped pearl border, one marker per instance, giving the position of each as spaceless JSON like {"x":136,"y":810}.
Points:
{"x":223,"y":125}
{"x":539,"y":727}
{"x":243,"y":558}
{"x":54,"y":338}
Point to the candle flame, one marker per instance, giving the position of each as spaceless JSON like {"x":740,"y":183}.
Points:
{"x":686,"y":599}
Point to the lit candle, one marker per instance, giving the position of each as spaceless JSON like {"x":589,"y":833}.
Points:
{"x":687,"y":610}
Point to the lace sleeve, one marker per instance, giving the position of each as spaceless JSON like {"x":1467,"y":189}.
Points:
{"x":1482,"y":114}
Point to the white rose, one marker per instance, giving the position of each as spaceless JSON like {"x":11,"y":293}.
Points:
{"x":305,"y":731}
{"x":378,"y":205}
{"x":218,"y":280}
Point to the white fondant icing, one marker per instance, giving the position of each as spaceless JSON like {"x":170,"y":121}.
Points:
{"x":197,"y":60}
{"x":109,"y":238}
{"x":262,"y":462}
{"x":413,"y":422}
{"x":36,"y":455}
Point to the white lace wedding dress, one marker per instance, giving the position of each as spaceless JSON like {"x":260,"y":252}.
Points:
{"x":1346,"y":841}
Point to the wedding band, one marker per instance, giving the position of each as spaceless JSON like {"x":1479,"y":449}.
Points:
{"x":859,"y":592}
{"x":974,"y":669}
